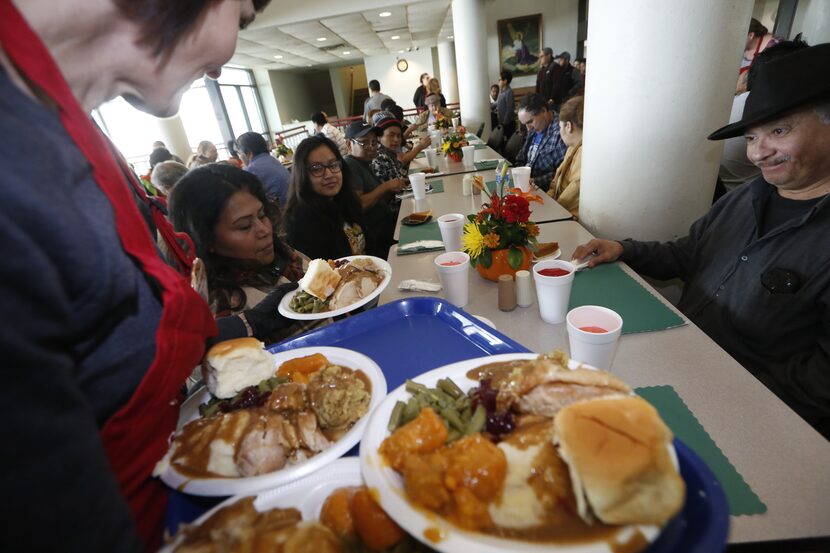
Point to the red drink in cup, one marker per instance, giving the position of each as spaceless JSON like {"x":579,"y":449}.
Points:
{"x":555,"y":272}
{"x":594,"y":329}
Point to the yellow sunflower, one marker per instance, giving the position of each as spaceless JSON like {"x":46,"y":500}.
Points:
{"x":473,"y":240}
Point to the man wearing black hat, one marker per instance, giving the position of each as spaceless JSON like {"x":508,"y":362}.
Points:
{"x":757,"y":266}
{"x":375,"y":196}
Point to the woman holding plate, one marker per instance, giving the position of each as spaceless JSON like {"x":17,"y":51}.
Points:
{"x":323,"y":217}
{"x":99,"y":334}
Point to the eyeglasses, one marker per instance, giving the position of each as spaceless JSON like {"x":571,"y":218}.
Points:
{"x":318,"y":169}
{"x":371,"y":144}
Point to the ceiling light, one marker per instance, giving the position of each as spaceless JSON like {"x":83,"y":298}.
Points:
{"x":450,"y":36}
{"x":309,"y":65}
{"x":278,"y":57}
{"x":400,"y":51}
{"x":322,"y":39}
{"x":346,"y":53}
{"x":395,"y":37}
{"x":385,"y":14}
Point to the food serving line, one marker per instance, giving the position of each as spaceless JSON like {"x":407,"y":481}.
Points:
{"x":783,"y":492}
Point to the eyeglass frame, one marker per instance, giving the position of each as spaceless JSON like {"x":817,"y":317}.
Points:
{"x":376,"y":144}
{"x":334,"y":166}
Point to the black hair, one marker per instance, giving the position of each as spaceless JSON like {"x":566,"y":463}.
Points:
{"x":319,"y":118}
{"x":195,"y":206}
{"x":158,"y":155}
{"x":774,"y":52}
{"x":506,"y":75}
{"x":533,"y":103}
{"x":300,"y":193}
{"x":757,"y":27}
{"x":231,"y":144}
{"x":387,"y":104}
{"x":374,"y":85}
{"x":252,"y":143}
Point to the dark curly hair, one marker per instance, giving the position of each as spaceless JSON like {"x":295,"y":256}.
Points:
{"x":195,"y":206}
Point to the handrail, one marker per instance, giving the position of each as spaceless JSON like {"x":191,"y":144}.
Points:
{"x":345,"y":120}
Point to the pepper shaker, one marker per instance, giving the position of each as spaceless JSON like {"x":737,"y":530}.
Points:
{"x":524,"y":293}
{"x":507,"y":293}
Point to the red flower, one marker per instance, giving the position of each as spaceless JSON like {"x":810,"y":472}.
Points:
{"x":515,"y":209}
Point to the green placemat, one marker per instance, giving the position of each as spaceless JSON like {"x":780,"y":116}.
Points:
{"x":479,"y":146}
{"x":609,"y":286}
{"x":427,"y":231}
{"x":486,"y":165}
{"x":742,"y":499}
{"x":437,"y":186}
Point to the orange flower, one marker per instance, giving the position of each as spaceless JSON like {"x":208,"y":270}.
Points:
{"x":529,"y":196}
{"x":533,"y":229}
{"x":491,"y":240}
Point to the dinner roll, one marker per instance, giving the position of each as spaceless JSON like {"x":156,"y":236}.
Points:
{"x":233,"y":365}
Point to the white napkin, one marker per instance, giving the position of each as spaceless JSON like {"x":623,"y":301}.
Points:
{"x":422,"y":245}
{"x":419,"y":286}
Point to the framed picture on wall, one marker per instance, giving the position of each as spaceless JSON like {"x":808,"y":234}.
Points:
{"x":520,"y":40}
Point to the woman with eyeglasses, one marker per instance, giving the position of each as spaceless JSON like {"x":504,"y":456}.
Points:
{"x":323,"y":217}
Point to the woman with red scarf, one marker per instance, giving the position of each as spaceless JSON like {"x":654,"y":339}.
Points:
{"x":98,"y":334}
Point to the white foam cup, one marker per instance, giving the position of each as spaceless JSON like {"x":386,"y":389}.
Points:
{"x":418,"y":182}
{"x":432,"y":156}
{"x":521,"y":176}
{"x":468,"y":154}
{"x":456,"y":121}
{"x":452,"y":227}
{"x":453,"y":270}
{"x":553,"y":292}
{"x":588,"y":344}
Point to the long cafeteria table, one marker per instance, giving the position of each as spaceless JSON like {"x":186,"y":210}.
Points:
{"x":780,"y":456}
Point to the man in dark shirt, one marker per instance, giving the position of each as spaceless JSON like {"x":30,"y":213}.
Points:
{"x":375,"y":196}
{"x":253,"y":150}
{"x":563,"y":80}
{"x":757,"y":266}
{"x":547,"y":74}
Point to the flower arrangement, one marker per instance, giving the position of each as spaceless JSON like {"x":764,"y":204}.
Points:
{"x":501,"y":233}
{"x":453,"y":144}
{"x":442,"y":122}
{"x":281,"y":149}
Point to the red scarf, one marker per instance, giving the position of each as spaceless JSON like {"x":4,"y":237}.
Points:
{"x":136,"y":436}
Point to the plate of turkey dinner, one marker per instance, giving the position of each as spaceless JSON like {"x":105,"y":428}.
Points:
{"x":335,"y":287}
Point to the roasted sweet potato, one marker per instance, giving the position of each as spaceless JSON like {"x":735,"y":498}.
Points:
{"x":373,"y":525}
{"x":425,"y":434}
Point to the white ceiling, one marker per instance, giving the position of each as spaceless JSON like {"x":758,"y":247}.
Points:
{"x":348,"y":38}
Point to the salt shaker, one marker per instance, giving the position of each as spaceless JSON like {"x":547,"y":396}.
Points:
{"x":524,"y":294}
{"x":467,"y":185}
{"x":507,"y":293}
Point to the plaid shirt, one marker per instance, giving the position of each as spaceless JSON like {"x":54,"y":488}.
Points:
{"x":386,"y":166}
{"x":549,"y":155}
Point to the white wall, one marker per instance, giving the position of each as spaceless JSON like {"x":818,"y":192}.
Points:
{"x":812,"y":17}
{"x":765,"y":11}
{"x":269,"y":103}
{"x":400,"y":86}
{"x":560,"y":19}
{"x":293,"y":103}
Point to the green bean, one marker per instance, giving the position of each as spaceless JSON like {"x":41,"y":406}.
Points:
{"x":411,"y":410}
{"x":453,"y":418}
{"x":209,"y":410}
{"x":395,"y":418}
{"x":414,"y":387}
{"x":263,"y":386}
{"x":453,"y":435}
{"x":442,"y":399}
{"x":477,"y":421}
{"x":450,"y":388}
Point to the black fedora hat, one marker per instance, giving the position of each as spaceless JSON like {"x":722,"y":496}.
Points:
{"x":783,"y":84}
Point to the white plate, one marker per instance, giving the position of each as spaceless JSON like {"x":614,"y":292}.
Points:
{"x":306,"y":495}
{"x":549,"y":257}
{"x":289,"y":313}
{"x":253,"y":484}
{"x":389,"y":483}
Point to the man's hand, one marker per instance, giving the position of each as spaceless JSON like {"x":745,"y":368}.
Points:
{"x":394,"y":185}
{"x":606,"y":251}
{"x":264,"y":317}
{"x":424,"y":143}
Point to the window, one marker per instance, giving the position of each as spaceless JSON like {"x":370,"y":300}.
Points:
{"x":198,"y":116}
{"x":239,"y":96}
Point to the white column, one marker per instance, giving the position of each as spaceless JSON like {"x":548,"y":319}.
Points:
{"x":661,"y":77}
{"x":469,"y":29}
{"x":812,"y":17}
{"x":449,"y":78}
{"x":174,"y":137}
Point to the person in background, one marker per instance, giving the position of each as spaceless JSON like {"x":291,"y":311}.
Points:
{"x":420,"y":92}
{"x":563,"y":81}
{"x":758,"y":38}
{"x":434,"y":87}
{"x":426,"y":118}
{"x":548,"y":72}
{"x":235,"y":232}
{"x":494,"y":115}
{"x":158,"y":155}
{"x":375,"y":99}
{"x":233,"y":155}
{"x":506,"y":105}
{"x":376,"y":196}
{"x":387,"y":163}
{"x":565,"y":185}
{"x":165,"y":176}
{"x":160,"y":144}
{"x":579,"y":76}
{"x":205,"y":153}
{"x":323,"y":216}
{"x":396,"y":110}
{"x":756,"y":276}
{"x":543,"y":149}
{"x":98,"y":333}
{"x":322,"y":126}
{"x":255,"y":155}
